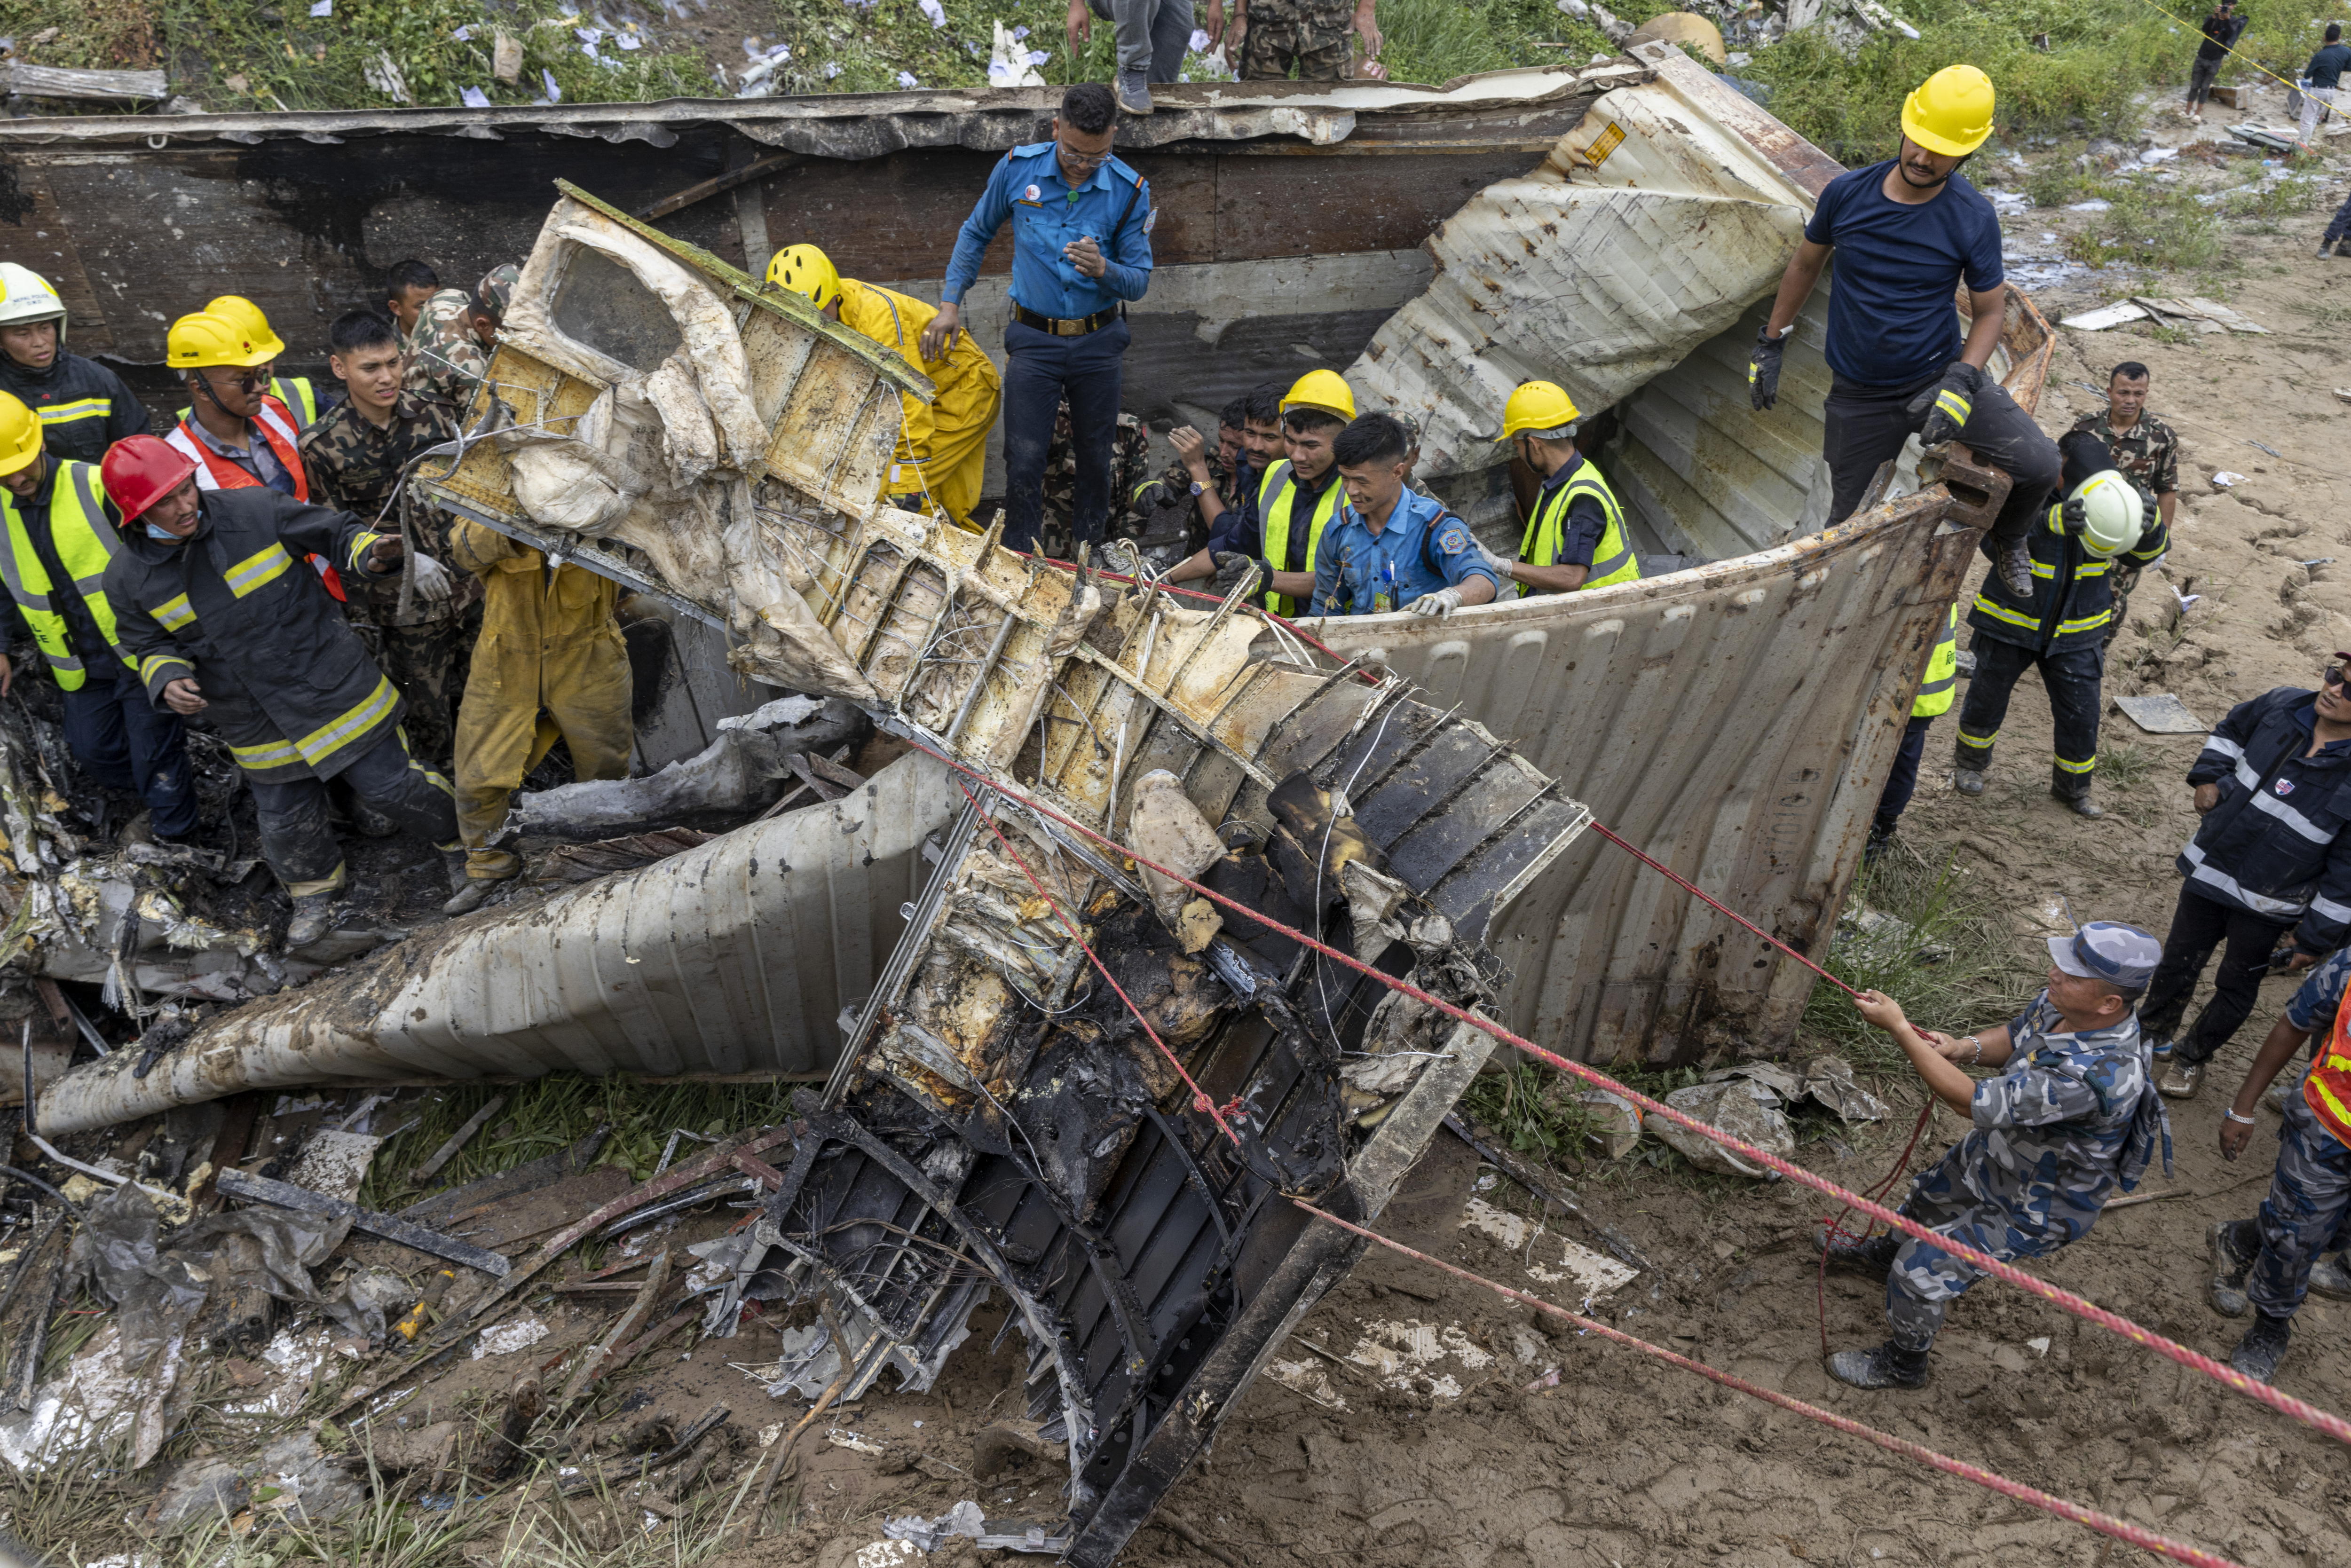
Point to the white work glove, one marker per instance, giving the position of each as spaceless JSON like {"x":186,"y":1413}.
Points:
{"x":1443,"y":602}
{"x":1503,"y":566}
{"x":434,"y":582}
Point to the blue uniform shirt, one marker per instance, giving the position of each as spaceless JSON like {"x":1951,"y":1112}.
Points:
{"x":1357,"y":572}
{"x":1893,"y":318}
{"x":1027,"y":187}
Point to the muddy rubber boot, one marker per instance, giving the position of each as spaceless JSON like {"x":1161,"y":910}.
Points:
{"x":473,"y":892}
{"x":2015,"y":565}
{"x":2325,"y":249}
{"x":1871,"y":1258}
{"x":1967,"y":780}
{"x":1880,"y":835}
{"x":2181,"y":1079}
{"x":313,"y":915}
{"x":2258,"y":1354}
{"x":1884,"y":1366}
{"x":2232,"y":1257}
{"x":453,"y":862}
{"x":2331,"y":1278}
{"x":1134,"y":90}
{"x":2081,"y":806}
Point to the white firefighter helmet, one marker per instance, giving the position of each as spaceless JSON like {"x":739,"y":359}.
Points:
{"x":26,"y":296}
{"x":2111,"y":512}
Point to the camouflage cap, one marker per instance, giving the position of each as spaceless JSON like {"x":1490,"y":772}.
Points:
{"x":498,"y":287}
{"x":1411,"y":427}
{"x":2122,"y":956}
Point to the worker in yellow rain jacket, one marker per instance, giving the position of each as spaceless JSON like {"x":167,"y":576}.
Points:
{"x":548,"y":665}
{"x":943,"y":447}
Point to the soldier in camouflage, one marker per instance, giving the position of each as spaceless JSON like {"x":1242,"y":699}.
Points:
{"x":1130,"y":461}
{"x":2073,"y":1118}
{"x":2148,"y":452}
{"x":355,"y":455}
{"x":1309,"y":36}
{"x":448,"y":354}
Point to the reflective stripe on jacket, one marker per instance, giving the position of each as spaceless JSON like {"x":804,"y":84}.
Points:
{"x":86,"y":543}
{"x":2327,"y":1089}
{"x":1612,"y":558}
{"x":2072,"y":597}
{"x":274,"y":424}
{"x":1273,"y":507}
{"x":2273,"y":844}
{"x":1936,"y":691}
{"x":300,"y":398}
{"x":286,"y":681}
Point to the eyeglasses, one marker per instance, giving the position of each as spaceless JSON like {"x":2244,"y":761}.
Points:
{"x":1077,"y":160}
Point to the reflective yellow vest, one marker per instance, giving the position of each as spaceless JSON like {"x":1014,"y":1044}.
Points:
{"x":1935,"y":692}
{"x":1611,"y":561}
{"x":85,"y":542}
{"x":1275,"y":520}
{"x":2327,"y":1090}
{"x":300,"y":398}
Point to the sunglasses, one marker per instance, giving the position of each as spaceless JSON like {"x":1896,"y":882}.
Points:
{"x":2335,"y":672}
{"x":251,"y":381}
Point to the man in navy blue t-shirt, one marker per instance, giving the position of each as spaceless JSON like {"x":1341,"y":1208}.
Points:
{"x":1905,"y":233}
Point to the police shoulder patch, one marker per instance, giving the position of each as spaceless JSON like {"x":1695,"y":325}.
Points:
{"x":1454,"y":539}
{"x":1150,"y":220}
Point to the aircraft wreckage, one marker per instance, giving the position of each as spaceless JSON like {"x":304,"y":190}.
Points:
{"x":1001,"y":1017}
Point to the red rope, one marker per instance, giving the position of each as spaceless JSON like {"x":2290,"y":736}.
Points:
{"x":2081,"y":1307}
{"x":1835,"y":1230}
{"x":2104,"y":1523}
{"x":1670,"y":874}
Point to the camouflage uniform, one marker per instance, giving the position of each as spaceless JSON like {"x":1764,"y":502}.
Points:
{"x":2074,"y":1117}
{"x":1310,"y":35}
{"x":444,"y":359}
{"x":1130,"y":454}
{"x":353,"y":466}
{"x":1164,"y":510}
{"x":2308,"y":1210}
{"x":2149,"y":455}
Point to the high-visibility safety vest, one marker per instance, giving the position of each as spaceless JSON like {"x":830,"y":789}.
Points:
{"x":85,"y":543}
{"x":275,"y":423}
{"x":2327,"y":1090}
{"x":1612,"y":562}
{"x":1274,"y":515}
{"x":300,"y":398}
{"x":1941,"y":684}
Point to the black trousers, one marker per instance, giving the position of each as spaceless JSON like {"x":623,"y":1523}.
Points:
{"x":1040,"y":369}
{"x":125,"y":742}
{"x":2201,"y":74}
{"x":1902,"y":778}
{"x":2073,"y":679}
{"x":2339,"y":226}
{"x":2198,"y":925}
{"x":1865,"y":426}
{"x":297,"y":833}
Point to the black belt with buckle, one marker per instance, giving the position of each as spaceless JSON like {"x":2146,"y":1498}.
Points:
{"x":1063,"y":327}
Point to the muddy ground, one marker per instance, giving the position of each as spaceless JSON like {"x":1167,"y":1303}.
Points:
{"x":1628,"y":1461}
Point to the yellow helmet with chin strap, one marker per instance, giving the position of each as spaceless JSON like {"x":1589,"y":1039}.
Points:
{"x":244,"y":314}
{"x":806,"y":270}
{"x":1325,"y":389}
{"x":201,"y":340}
{"x":20,"y":435}
{"x":1950,"y":112}
{"x":1540,"y":409}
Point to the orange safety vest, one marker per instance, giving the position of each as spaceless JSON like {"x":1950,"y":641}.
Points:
{"x":275,"y":425}
{"x":2327,"y":1090}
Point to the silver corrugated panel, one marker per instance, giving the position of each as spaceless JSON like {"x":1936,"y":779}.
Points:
{"x":736,"y":957}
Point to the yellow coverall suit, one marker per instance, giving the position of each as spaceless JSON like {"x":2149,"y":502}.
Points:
{"x":943,"y":446}
{"x":549,"y":663}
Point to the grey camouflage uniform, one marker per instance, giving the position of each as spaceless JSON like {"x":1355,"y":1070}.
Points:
{"x":2074,"y":1117}
{"x":2308,"y":1210}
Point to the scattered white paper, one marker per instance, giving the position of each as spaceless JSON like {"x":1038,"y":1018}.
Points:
{"x":547,"y":78}
{"x":513,"y":1334}
{"x":464,"y":35}
{"x":473,"y":98}
{"x":906,"y":78}
{"x":2224,"y":479}
{"x":2093,"y":205}
{"x":936,"y":12}
{"x":323,"y":8}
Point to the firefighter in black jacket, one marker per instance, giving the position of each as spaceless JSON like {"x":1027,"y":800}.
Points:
{"x":2062,"y":627}
{"x":2273,"y":787}
{"x":222,"y":615}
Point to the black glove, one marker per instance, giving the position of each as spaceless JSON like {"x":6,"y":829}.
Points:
{"x":1947,"y":405}
{"x":1763,"y":369}
{"x":2074,"y":514}
{"x":2149,"y":511}
{"x":1234,"y":570}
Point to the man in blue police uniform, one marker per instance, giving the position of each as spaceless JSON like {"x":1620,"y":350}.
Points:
{"x":2071,"y":1118}
{"x":1080,"y":251}
{"x":1390,"y":548}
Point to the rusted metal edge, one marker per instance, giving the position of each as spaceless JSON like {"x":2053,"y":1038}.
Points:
{"x":235,"y":1183}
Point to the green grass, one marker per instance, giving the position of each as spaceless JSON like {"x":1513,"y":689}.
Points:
{"x":85,"y":35}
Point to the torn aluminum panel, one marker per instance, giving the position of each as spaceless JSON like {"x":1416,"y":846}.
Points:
{"x":1003,"y":1122}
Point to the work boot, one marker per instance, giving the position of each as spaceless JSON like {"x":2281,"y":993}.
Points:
{"x":2081,"y":805}
{"x":1881,"y":833}
{"x":2330,"y":1277}
{"x":2181,"y":1079}
{"x":2232,"y":1252}
{"x":2325,"y":248}
{"x":313,"y":914}
{"x":1968,"y":780}
{"x":1887,"y":1366}
{"x":453,"y":862}
{"x":1134,"y":90}
{"x":2015,"y":565}
{"x":2258,"y":1354}
{"x":474,"y":894}
{"x":1848,"y":1255}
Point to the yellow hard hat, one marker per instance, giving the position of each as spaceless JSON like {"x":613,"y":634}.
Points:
{"x":204,"y":339}
{"x":20,"y":435}
{"x":1538,"y":408}
{"x":1325,"y":390}
{"x":1950,"y":112}
{"x":247,"y":317}
{"x":804,"y":270}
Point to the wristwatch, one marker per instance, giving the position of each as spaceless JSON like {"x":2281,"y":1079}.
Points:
{"x":1198,"y":487}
